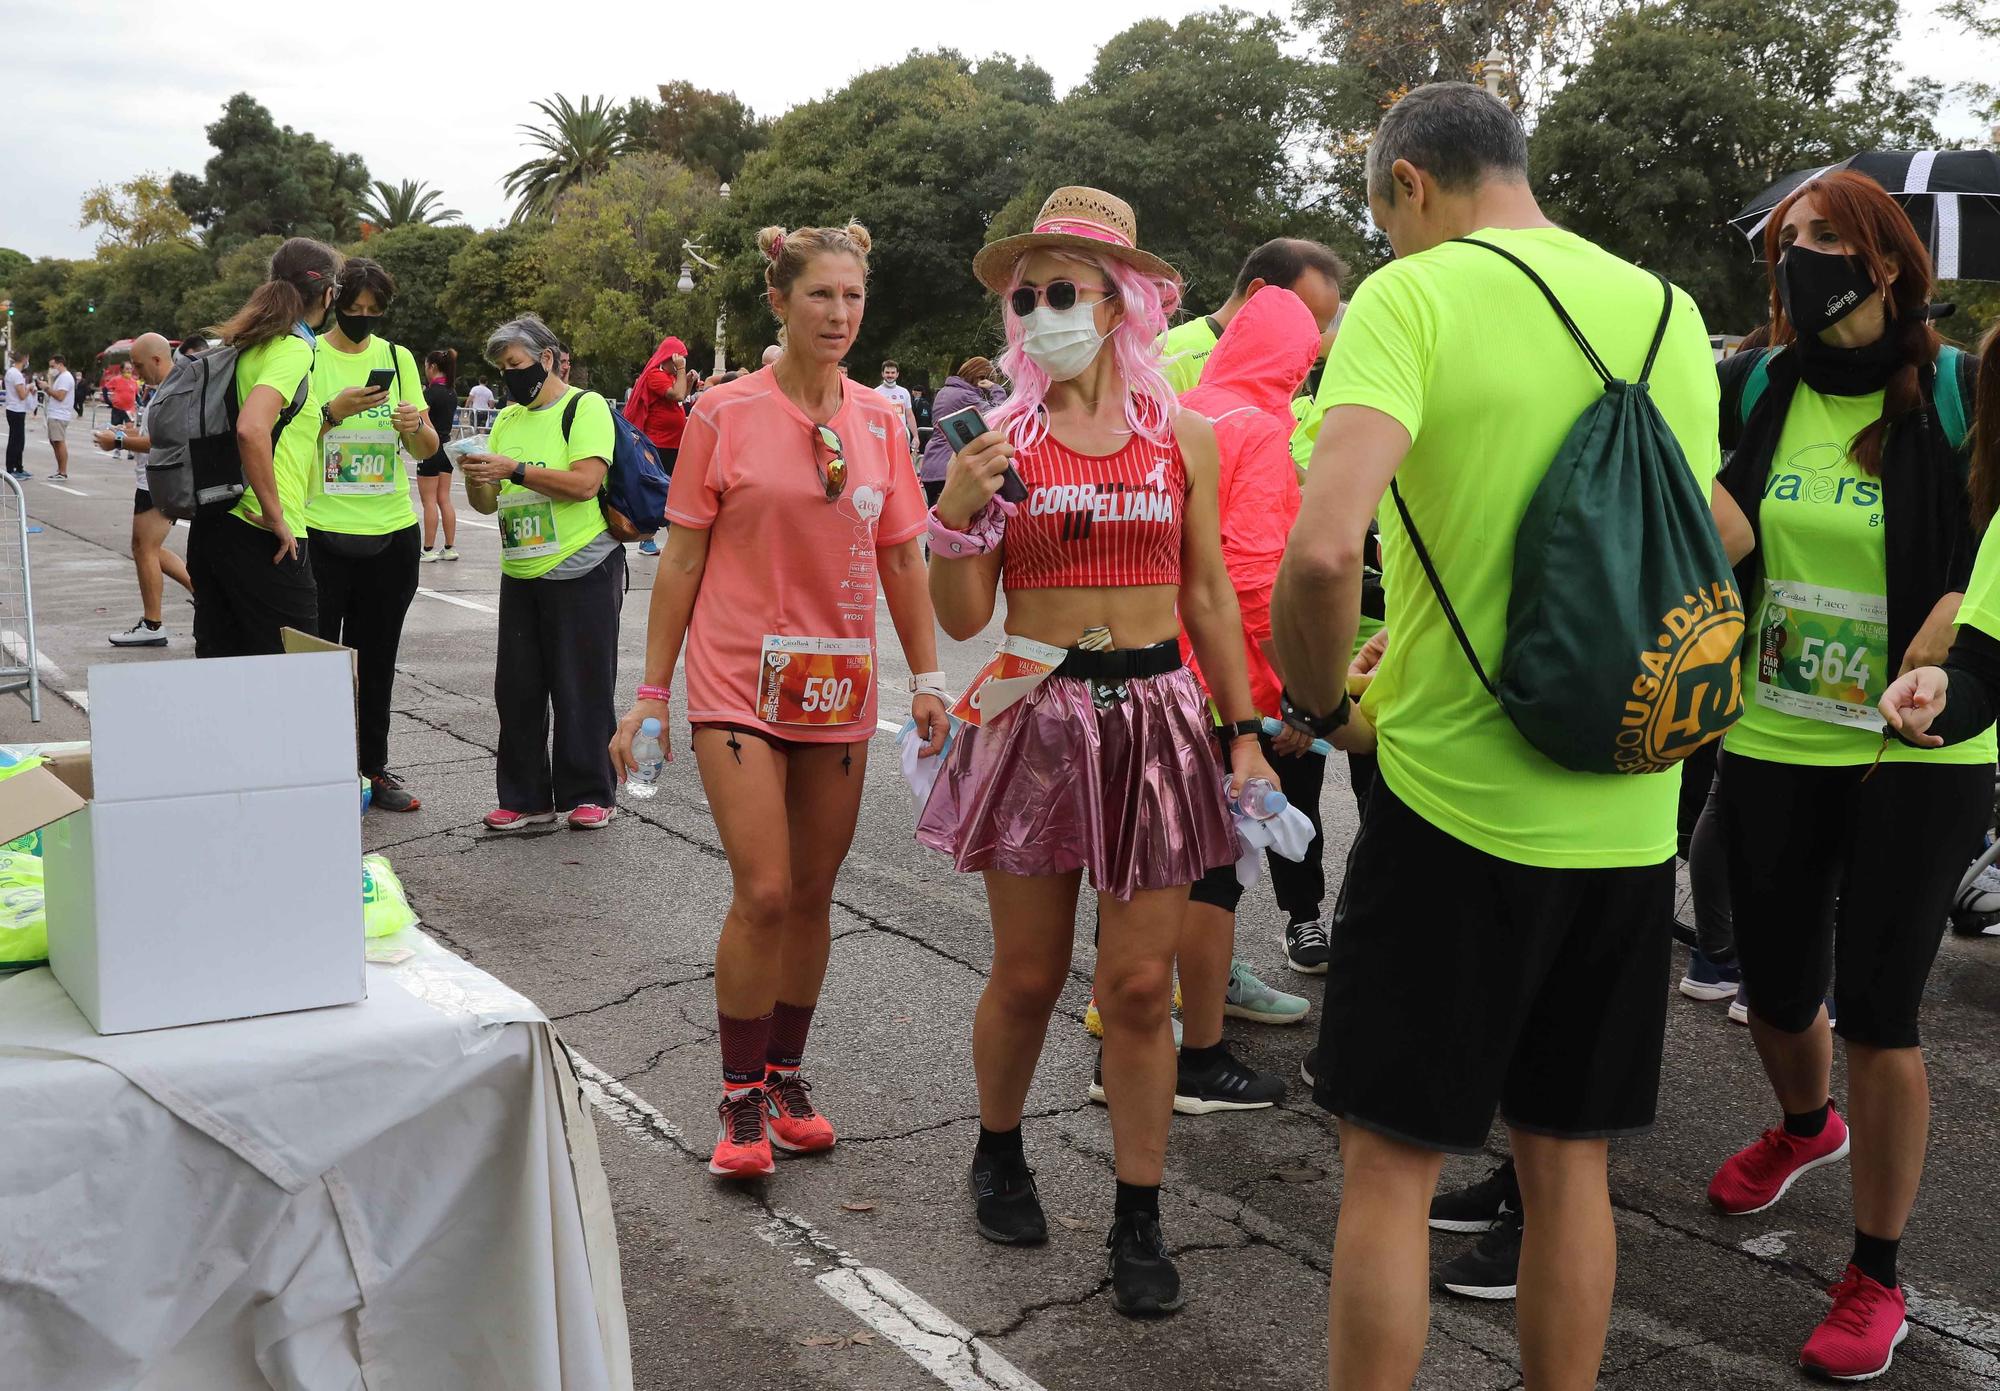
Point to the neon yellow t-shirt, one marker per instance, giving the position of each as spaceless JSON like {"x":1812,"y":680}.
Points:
{"x":361,"y":488}
{"x":1981,"y":608}
{"x":1184,"y":351}
{"x":1438,"y":341}
{"x":538,"y":532}
{"x":1821,"y":623}
{"x":280,"y":364}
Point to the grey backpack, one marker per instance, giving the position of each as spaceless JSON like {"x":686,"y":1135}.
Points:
{"x":193,"y":468}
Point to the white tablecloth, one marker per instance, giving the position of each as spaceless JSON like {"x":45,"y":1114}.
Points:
{"x":399,"y":1195}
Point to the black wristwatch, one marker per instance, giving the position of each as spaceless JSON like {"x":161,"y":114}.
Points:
{"x":521,"y":474}
{"x":326,"y":416}
{"x":1240,"y":728}
{"x":1319,"y":726}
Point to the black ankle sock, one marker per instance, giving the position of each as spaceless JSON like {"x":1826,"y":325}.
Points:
{"x":1807,"y":1124}
{"x":1875,"y":1257}
{"x":1137,"y":1197}
{"x":1201,"y":1059}
{"x":151,"y":626}
{"x":1000,"y":1144}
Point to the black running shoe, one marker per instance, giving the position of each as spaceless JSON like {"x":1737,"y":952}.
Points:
{"x":1143,"y":1278}
{"x":1309,"y":1067}
{"x":1226,"y":1085}
{"x":1307,"y":946}
{"x":1491,"y":1268}
{"x":1480,"y":1207}
{"x":1003,"y":1190}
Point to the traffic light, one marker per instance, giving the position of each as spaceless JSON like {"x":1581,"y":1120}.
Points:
{"x":93,"y":306}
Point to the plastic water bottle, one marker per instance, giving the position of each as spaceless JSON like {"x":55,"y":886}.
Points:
{"x":1259,"y":800}
{"x":644,"y":782}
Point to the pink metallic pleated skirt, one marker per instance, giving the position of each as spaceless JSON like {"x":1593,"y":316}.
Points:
{"x":1132,"y":792}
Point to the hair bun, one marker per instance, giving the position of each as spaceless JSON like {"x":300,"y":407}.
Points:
{"x":771,"y":241}
{"x":858,"y":234}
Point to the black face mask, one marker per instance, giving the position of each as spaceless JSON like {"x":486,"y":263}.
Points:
{"x":524,"y":384}
{"x":1819,"y":289}
{"x":357,"y":327}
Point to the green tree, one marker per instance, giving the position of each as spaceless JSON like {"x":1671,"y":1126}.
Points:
{"x":1687,"y":109}
{"x":135,"y":213}
{"x":612,"y":259}
{"x":12,"y":263}
{"x":239,"y":271}
{"x":270,"y":180}
{"x":926,"y":153}
{"x":495,"y":276}
{"x":412,"y":202}
{"x":43,"y":321}
{"x":1209,"y":128}
{"x":710,"y":132}
{"x":578,"y":143}
{"x":145,"y":289}
{"x":420,"y":256}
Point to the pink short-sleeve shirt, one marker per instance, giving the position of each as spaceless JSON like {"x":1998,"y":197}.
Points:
{"x":787,"y":606}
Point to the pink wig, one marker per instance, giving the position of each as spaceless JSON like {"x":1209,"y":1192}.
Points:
{"x":1150,"y":404}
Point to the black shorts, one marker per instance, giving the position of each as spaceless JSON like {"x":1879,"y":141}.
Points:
{"x":119,"y":417}
{"x":1460,"y":982}
{"x":1885,"y":850}
{"x":932,"y":491}
{"x":142,"y":502}
{"x":776,"y":741}
{"x":438,"y":465}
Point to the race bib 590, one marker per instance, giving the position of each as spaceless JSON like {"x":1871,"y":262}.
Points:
{"x":814,"y":681}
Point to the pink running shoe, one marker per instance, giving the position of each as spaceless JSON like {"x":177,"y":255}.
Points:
{"x":743,"y":1142}
{"x":796,"y":1127}
{"x":1858,"y":1339}
{"x":1753,"y":1179}
{"x":501,"y":819}
{"x":589,"y":817}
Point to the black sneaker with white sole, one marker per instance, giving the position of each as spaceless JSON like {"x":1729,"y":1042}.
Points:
{"x":1144,"y":1280}
{"x":1307,"y":946}
{"x":1309,"y":1067}
{"x":1479,"y":1207}
{"x":1224,"y":1084}
{"x":1490,"y":1269}
{"x":1008,"y":1208}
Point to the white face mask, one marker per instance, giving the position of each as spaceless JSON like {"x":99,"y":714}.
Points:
{"x":1062,"y":342}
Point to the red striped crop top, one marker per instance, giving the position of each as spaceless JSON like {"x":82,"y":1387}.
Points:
{"x":1092,"y":520}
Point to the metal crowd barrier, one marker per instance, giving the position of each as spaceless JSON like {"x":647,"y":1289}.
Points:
{"x":19,"y":658}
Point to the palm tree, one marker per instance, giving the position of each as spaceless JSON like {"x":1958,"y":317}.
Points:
{"x":400,"y":205}
{"x":579,"y":143}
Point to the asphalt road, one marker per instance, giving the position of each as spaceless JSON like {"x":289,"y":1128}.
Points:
{"x":613,"y":934}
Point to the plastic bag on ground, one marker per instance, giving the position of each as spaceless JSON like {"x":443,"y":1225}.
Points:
{"x":384,"y":907}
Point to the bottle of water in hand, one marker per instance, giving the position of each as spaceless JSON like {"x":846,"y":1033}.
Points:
{"x":1259,"y":800}
{"x":644,"y":782}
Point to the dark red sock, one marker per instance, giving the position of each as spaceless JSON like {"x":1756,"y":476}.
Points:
{"x":789,"y":1026}
{"x":744,"y":1042}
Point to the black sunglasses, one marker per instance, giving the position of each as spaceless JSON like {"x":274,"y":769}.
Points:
{"x":1057,"y":294}
{"x":832,"y":475}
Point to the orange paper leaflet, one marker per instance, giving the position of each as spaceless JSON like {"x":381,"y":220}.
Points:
{"x":1017,"y":668}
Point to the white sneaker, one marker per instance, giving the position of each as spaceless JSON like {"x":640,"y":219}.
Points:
{"x":139,"y":635}
{"x":448,"y":553}
{"x":431,"y":557}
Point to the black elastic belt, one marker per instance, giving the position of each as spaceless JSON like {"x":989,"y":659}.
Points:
{"x":1121,"y":664}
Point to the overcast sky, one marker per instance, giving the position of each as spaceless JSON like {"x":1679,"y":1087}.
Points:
{"x":131,"y":86}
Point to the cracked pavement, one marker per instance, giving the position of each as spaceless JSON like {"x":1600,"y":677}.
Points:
{"x":613,"y":934}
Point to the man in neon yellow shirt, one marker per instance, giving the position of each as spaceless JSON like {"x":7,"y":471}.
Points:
{"x":1309,"y":270}
{"x":1539,"y":992}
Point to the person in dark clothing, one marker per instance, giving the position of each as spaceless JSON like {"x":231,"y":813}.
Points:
{"x":434,"y":473}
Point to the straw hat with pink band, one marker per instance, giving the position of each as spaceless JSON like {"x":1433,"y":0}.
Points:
{"x":1088,"y":220}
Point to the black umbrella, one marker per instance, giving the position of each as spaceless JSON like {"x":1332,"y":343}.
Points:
{"x":1952,"y":196}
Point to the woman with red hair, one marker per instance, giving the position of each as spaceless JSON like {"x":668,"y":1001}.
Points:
{"x":1844,"y":847}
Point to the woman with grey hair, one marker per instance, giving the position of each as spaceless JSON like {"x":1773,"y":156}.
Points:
{"x":562,"y":581}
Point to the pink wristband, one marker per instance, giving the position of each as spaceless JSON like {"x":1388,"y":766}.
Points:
{"x":660,"y":693}
{"x":981,"y":534}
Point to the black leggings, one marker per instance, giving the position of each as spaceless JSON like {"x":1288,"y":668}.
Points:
{"x":558,"y":656}
{"x":1837,"y":874}
{"x":362,"y":603}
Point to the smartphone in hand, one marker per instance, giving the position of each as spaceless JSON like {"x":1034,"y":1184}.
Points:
{"x":961,"y":428}
{"x":381,"y":379}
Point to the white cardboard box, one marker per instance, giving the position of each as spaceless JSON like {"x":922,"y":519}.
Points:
{"x":216,"y":872}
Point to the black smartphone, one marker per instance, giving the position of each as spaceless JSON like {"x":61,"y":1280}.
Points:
{"x":381,"y":379}
{"x":961,"y":428}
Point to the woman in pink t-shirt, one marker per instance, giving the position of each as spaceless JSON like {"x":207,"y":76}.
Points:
{"x":792,"y":498}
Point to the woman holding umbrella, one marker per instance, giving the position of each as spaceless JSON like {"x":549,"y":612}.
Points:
{"x":1851,"y":476}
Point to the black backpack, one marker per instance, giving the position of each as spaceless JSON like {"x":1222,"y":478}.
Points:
{"x":1624,"y":624}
